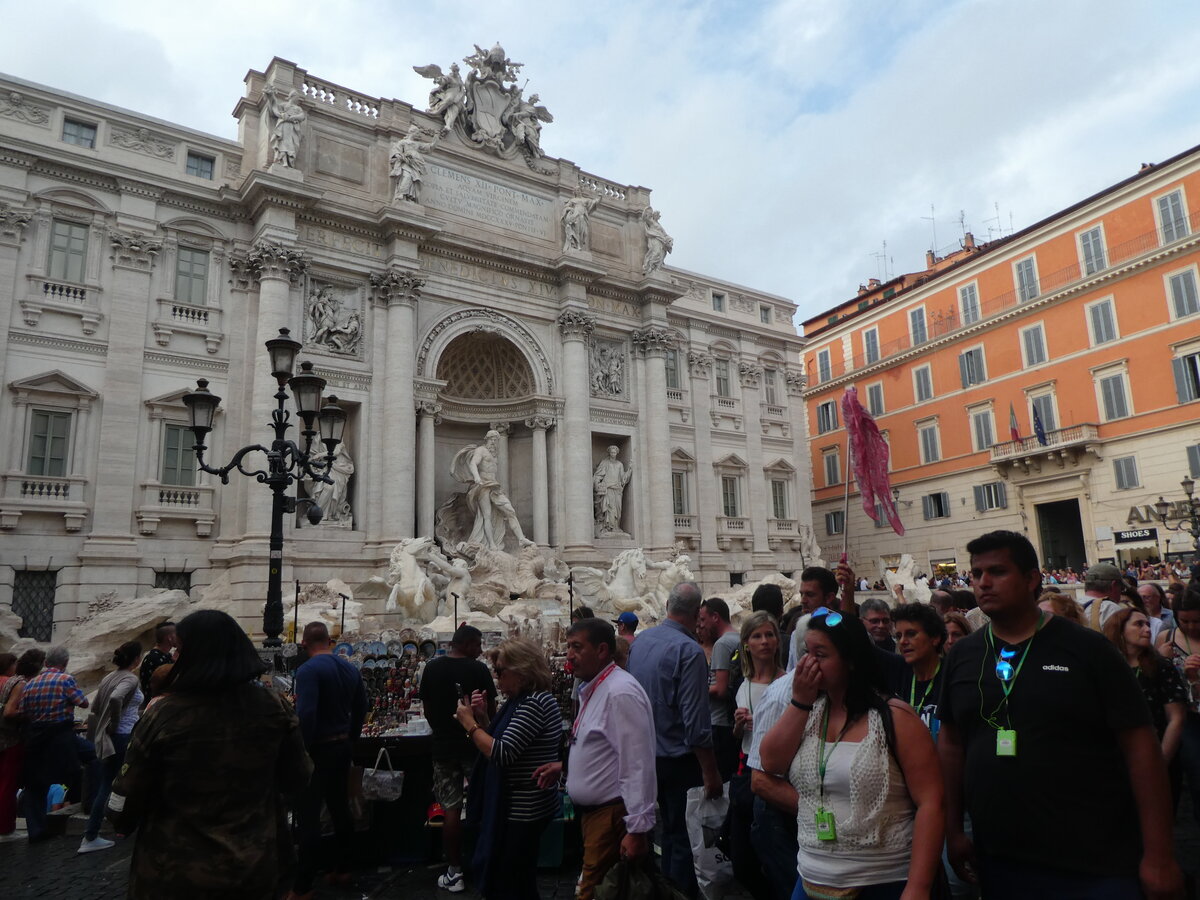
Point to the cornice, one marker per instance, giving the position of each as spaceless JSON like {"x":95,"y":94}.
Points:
{"x":460,"y":254}
{"x":16,"y":158}
{"x":37,"y":339}
{"x":262,"y":189}
{"x":227,"y":211}
{"x":76,"y":175}
{"x":176,"y":361}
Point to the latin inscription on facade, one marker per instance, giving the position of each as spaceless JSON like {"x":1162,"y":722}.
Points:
{"x":614,"y":307}
{"x":489,"y":277}
{"x":488,"y":202}
{"x":336,"y":240}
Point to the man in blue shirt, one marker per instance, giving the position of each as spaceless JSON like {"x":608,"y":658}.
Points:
{"x":331,"y":704}
{"x":669,"y":664}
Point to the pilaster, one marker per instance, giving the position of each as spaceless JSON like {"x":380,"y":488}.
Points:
{"x":576,"y":327}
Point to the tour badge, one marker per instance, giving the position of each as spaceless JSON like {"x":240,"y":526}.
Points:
{"x":826,"y":830}
{"x":1006,"y":742}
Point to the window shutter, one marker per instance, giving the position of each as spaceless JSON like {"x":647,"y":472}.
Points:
{"x":963,"y":370}
{"x":945,"y":503}
{"x":980,"y":498}
{"x":927,"y":506}
{"x":1002,"y":494}
{"x":1185,"y":389}
{"x":1193,"y":454}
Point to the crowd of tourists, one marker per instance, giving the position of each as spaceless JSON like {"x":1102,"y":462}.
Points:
{"x":1006,"y":741}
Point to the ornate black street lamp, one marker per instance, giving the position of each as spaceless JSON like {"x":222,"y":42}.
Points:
{"x":287,"y":462}
{"x":1190,"y":524}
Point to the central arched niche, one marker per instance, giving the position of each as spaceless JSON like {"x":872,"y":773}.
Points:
{"x":483,"y":365}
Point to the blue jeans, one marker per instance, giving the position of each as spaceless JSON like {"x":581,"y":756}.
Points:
{"x":1004,"y":879}
{"x":774,"y":837}
{"x":889,"y":891}
{"x":675,"y":775}
{"x":108,"y":773}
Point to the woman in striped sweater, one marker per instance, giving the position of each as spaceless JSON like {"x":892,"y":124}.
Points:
{"x":505,"y":805}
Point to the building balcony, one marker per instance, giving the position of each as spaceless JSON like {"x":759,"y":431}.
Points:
{"x":43,"y":494}
{"x":733,"y":528}
{"x":183,"y":318}
{"x":46,"y":295}
{"x":686,"y":524}
{"x":782,"y":533}
{"x":1064,"y":446}
{"x":167,"y":501}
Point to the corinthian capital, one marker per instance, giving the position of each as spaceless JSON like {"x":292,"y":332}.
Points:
{"x":750,"y":374}
{"x":277,"y":261}
{"x":13,"y":221}
{"x":575,"y":324}
{"x":539,"y":422}
{"x":796,"y":382}
{"x":653,"y":341}
{"x":397,"y":286}
{"x":133,"y":249}
{"x":699,"y":364}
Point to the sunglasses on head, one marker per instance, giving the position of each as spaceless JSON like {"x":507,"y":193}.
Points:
{"x":1004,"y":669}
{"x":832,"y":616}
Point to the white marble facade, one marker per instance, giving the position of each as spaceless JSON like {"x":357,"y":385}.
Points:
{"x":137,"y":256}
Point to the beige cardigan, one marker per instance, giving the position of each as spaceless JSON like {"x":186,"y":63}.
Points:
{"x":114,"y":692}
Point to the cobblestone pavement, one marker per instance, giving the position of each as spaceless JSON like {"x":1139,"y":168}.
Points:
{"x":52,"y":871}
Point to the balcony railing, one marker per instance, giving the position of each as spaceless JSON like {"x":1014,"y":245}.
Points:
{"x":191,"y":503}
{"x":43,"y":494}
{"x":1061,"y":438}
{"x":685,"y":524}
{"x":782,"y":526}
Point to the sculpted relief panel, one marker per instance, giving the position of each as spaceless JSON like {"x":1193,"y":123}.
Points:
{"x":607,"y":367}
{"x":333,"y":318}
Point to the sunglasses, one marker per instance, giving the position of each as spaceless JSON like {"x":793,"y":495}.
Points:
{"x":832,"y":616}
{"x":1004,"y":668}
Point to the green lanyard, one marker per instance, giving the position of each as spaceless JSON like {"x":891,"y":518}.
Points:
{"x":1005,"y":686}
{"x":912,"y":690}
{"x":822,"y":757}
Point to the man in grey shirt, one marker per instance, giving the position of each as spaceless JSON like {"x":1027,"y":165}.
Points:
{"x":714,"y":626}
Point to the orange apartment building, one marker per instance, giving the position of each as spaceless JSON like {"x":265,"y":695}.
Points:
{"x":1088,"y":322}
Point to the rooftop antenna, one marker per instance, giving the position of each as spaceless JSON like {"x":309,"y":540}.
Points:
{"x":932,"y":224}
{"x":997,"y":229}
{"x":962,"y":222}
{"x":881,"y":263}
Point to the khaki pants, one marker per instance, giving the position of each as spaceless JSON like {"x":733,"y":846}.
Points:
{"x":603,"y":830}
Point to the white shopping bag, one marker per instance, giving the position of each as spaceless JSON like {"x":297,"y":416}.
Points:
{"x":705,"y":818}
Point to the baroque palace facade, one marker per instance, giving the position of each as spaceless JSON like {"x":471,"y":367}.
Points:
{"x":1083,"y":328}
{"x":446,"y":277}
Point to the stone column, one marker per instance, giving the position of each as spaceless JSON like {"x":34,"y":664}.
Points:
{"x":576,"y":327}
{"x":278,"y":267}
{"x":426,"y":463}
{"x":653,"y":343}
{"x":399,"y":289}
{"x":707,"y":505}
{"x":541,"y":479}
{"x":504,"y":429}
{"x":750,"y":375}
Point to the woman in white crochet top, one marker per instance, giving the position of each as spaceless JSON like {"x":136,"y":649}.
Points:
{"x":865,"y":771}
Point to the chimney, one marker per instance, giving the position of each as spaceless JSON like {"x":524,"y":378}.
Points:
{"x":969,"y":242}
{"x":930,"y":259}
{"x":873,"y":283}
{"x":862,"y":289}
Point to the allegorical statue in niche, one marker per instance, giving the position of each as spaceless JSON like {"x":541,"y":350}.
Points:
{"x":524,"y":119}
{"x":289,"y":117}
{"x":408,"y":165}
{"x":658,"y":242}
{"x":608,"y":484}
{"x":446,"y":98}
{"x":334,"y":498}
{"x":576,"y":227}
{"x":493,"y":512}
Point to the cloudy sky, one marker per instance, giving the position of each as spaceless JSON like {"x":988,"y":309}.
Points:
{"x":785,"y":141}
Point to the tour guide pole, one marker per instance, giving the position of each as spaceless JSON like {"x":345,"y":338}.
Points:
{"x":287,"y":463}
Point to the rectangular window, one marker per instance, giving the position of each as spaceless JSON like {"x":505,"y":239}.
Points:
{"x":824,"y":366}
{"x":971,"y":367}
{"x":173,"y":581}
{"x":679,"y":493}
{"x":930,"y":445}
{"x":1125,"y":470}
{"x":718,"y":302}
{"x":875,"y":399}
{"x":1172,"y":218}
{"x":672,"y":369}
{"x":1102,"y":323}
{"x":968,"y":298}
{"x":1112,"y":391}
{"x":871,"y":345}
{"x":1187,"y":377}
{"x":983,"y":430}
{"x":200,"y":166}
{"x":779,"y":498}
{"x":936,"y":506}
{"x":827,"y":416}
{"x":833,"y":467}
{"x":992,"y":495}
{"x":923,"y":384}
{"x":1193,"y":456}
{"x":764,"y":315}
{"x":191,"y":276}
{"x":68,"y":251}
{"x":1091,"y":244}
{"x":81,"y":134}
{"x":1033,"y":345}
{"x":916,"y":326}
{"x":49,"y":436}
{"x":721,"y":375}
{"x":729,"y":496}
{"x":33,"y":601}
{"x":178,"y":458}
{"x":1027,"y":283}
{"x":770,"y":387}
{"x":1044,"y":404}
{"x":1184,"y":297}
{"x":835,"y":522}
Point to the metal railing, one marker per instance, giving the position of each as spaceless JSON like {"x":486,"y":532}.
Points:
{"x":1083,"y":433}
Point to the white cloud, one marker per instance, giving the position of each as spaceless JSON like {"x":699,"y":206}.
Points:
{"x":784,"y":141}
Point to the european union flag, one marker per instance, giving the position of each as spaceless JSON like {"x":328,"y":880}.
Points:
{"x":1038,"y":428}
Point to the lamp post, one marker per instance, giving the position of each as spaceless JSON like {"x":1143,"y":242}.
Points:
{"x":287,"y":462}
{"x":1190,"y":524}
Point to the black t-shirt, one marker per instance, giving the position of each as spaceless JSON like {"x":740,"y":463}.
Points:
{"x":893,"y":667}
{"x":440,"y":684}
{"x":1064,"y":801}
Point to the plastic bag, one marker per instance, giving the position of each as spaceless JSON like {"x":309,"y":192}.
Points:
{"x":705,"y":819}
{"x":636,"y":880}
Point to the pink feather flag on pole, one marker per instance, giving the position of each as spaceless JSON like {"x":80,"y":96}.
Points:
{"x":869,"y":455}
